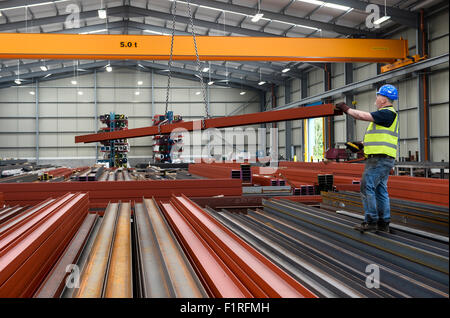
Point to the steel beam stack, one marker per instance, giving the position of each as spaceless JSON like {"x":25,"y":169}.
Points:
{"x":108,"y":272}
{"x":227,"y":265}
{"x":422,"y":216}
{"x":163,"y":269}
{"x":101,"y":193}
{"x":31,"y":242}
{"x":323,"y":252}
{"x":55,"y":282}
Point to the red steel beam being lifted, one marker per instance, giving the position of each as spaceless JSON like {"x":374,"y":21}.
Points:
{"x":221,"y":122}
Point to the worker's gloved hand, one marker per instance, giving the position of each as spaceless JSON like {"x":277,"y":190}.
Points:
{"x":355,"y":146}
{"x":342,"y":106}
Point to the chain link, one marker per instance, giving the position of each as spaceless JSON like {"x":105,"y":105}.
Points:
{"x":202,"y":84}
{"x":169,"y":76}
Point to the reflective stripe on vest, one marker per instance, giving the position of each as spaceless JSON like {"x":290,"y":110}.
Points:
{"x":382,"y":140}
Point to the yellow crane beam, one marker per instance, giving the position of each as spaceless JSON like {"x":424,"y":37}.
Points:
{"x":223,"y":48}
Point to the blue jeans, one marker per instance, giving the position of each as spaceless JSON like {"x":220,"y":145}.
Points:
{"x":374,"y":192}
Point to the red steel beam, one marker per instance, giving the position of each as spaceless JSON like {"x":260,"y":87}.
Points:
{"x":218,"y":279}
{"x":53,"y":284}
{"x":25,"y":261}
{"x":222,"y":122}
{"x":260,"y":271}
{"x":100,"y":193}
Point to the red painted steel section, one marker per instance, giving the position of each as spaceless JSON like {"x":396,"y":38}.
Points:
{"x":273,"y":281}
{"x":217,"y":277}
{"x":100,"y":193}
{"x":222,"y":122}
{"x":29,"y":249}
{"x":53,"y":284}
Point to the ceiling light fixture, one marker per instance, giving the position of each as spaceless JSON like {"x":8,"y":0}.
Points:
{"x":285,"y":70}
{"x":258,"y":15}
{"x":44,"y":68}
{"x":242,"y":93}
{"x":102,"y":14}
{"x":210,"y":83}
{"x":18,"y":81}
{"x":74,"y":82}
{"x":140,"y":83}
{"x":109,"y":68}
{"x":198,"y":93}
{"x":137,"y":93}
{"x":205,"y":69}
{"x":261,"y":83}
{"x":383,"y":18}
{"x":80,"y":93}
{"x":327,"y":4}
{"x":33,"y":5}
{"x":32,"y":93}
{"x":95,"y":31}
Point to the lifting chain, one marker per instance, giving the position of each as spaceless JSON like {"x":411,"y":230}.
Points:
{"x":169,"y":76}
{"x":199,"y":75}
{"x":202,"y":84}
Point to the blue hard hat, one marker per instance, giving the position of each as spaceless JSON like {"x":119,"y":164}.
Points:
{"x":389,"y":91}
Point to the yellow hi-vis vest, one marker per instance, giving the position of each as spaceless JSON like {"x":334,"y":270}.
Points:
{"x":382,"y":140}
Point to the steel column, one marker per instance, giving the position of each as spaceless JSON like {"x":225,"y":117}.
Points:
{"x":349,"y":121}
{"x":288,"y":125}
{"x":96,"y":113}
{"x":303,"y":94}
{"x":36,"y":95}
{"x":328,"y":122}
{"x":423,"y":90}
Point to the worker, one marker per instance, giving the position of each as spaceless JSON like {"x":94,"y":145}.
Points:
{"x":380,"y":150}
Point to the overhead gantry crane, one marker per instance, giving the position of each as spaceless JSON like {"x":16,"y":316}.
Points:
{"x":155,"y":47}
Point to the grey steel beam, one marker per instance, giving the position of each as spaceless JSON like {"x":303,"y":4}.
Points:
{"x":282,"y":17}
{"x":329,"y":121}
{"x":96,"y":113}
{"x":273,"y":79}
{"x":36,"y":122}
{"x":423,"y":95}
{"x":400,"y":16}
{"x":410,"y":257}
{"x":288,"y":124}
{"x":197,"y":22}
{"x":303,"y":95}
{"x":409,"y":69}
{"x":19,"y":3}
{"x":39,"y":74}
{"x":350,"y":122}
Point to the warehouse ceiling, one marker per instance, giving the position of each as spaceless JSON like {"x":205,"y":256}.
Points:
{"x":284,"y":18}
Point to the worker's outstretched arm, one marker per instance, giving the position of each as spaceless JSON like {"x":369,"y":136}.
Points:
{"x":357,"y":114}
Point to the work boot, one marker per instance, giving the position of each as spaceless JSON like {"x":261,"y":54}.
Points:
{"x":366,"y":227}
{"x":383,"y":226}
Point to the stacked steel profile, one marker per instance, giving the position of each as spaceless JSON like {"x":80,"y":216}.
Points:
{"x":32,"y":241}
{"x":324,"y":253}
{"x":331,"y":175}
{"x":227,"y":266}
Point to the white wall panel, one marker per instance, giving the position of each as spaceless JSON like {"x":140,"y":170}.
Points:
{"x":364,"y":71}
{"x":439,"y":120}
{"x":439,"y":149}
{"x":408,"y":96}
{"x":439,"y":88}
